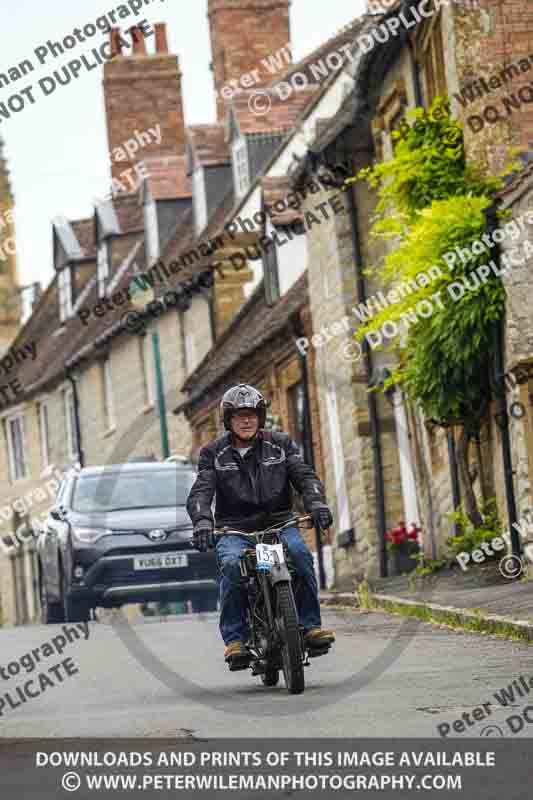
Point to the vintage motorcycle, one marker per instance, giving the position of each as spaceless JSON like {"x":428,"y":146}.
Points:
{"x":276,"y":639}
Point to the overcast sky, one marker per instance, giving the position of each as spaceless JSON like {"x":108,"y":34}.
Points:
{"x":57,"y":148}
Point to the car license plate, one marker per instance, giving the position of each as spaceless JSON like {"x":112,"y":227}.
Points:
{"x":268,"y":555}
{"x":161,"y":561}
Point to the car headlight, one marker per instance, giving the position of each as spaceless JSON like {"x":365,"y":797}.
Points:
{"x":90,"y":535}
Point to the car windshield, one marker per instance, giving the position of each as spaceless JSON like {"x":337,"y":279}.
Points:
{"x":125,"y":490}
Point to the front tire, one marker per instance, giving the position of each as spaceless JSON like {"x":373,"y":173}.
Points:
{"x":51,"y":613}
{"x":74,"y":610}
{"x":291,"y":643}
{"x":270,"y":677}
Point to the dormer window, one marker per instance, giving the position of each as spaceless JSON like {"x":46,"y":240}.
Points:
{"x":152,"y":230}
{"x":241,"y":174}
{"x":107,"y":226}
{"x":103,"y":267}
{"x":67,"y":252}
{"x":65,"y":293}
{"x":199,"y":200}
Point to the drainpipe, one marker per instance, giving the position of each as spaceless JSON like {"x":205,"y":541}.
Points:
{"x":161,"y":404}
{"x":415,"y":75}
{"x":501,"y":396}
{"x":298,"y":332}
{"x":81,"y":457}
{"x":372,"y":403}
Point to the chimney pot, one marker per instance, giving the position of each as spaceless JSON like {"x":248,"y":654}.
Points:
{"x":116,"y":44}
{"x":139,"y":43}
{"x":161,"y":42}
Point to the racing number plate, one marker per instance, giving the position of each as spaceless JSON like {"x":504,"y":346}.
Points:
{"x":268,"y":555}
{"x":161,"y":561}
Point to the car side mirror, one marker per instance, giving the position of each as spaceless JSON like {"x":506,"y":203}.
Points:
{"x":59,"y":513}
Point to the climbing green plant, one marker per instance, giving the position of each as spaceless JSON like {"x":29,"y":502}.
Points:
{"x":431,"y":200}
{"x":470,"y":536}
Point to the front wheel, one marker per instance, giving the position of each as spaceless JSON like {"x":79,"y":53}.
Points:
{"x":51,"y":613}
{"x":291,"y":644}
{"x":74,"y":610}
{"x":270,"y":677}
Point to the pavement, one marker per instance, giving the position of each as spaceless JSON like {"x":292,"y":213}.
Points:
{"x":480,"y":599}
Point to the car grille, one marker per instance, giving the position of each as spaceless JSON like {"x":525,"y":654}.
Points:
{"x":161,"y":547}
{"x":117,"y":573}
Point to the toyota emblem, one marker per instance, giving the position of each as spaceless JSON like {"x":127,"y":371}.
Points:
{"x":157,"y":535}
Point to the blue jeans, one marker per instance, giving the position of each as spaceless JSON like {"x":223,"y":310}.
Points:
{"x":233,"y":598}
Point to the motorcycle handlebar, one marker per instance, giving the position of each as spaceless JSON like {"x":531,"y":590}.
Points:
{"x":272,"y":529}
{"x":219,"y":532}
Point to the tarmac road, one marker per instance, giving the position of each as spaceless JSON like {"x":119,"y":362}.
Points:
{"x":385,"y":677}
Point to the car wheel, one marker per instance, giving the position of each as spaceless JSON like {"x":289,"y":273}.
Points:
{"x":51,"y":613}
{"x":74,"y":610}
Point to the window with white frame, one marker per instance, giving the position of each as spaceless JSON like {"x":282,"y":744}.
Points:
{"x":65,"y":293}
{"x":70,"y":423}
{"x":146,"y":374}
{"x":107,"y":395}
{"x":102,"y":267}
{"x":44,"y":433}
{"x":199,"y":200}
{"x":241,"y":174}
{"x":151,"y":227}
{"x":18,"y":466}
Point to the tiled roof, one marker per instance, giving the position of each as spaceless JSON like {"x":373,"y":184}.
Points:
{"x":184,"y":240}
{"x":168,"y":177}
{"x":59,"y":346}
{"x":275,"y":114}
{"x":287,"y":217}
{"x":255,"y":324}
{"x":281,"y":116}
{"x":332,"y":45}
{"x":208,"y":145}
{"x":358,"y":104}
{"x":275,"y":190}
{"x":220,"y":216}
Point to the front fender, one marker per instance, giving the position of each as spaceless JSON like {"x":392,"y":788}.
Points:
{"x":279,"y":573}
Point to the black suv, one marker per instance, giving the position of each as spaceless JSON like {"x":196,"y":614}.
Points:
{"x":120,"y":534}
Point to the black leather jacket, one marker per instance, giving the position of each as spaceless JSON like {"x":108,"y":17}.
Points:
{"x":254,"y":491}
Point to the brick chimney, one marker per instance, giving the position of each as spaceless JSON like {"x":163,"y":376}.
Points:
{"x":143,"y":90}
{"x":242,"y":35}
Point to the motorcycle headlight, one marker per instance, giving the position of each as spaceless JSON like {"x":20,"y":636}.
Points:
{"x":90,"y":535}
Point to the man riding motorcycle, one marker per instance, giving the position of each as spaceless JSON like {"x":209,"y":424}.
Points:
{"x":250,"y":472}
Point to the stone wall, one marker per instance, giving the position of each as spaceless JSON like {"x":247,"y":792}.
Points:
{"x":518,"y":282}
{"x":341,"y":379}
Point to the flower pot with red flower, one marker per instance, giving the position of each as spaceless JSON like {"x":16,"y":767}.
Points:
{"x":403,"y":545}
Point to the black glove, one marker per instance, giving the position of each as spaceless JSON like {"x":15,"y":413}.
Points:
{"x":203,"y":537}
{"x":322,"y":519}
